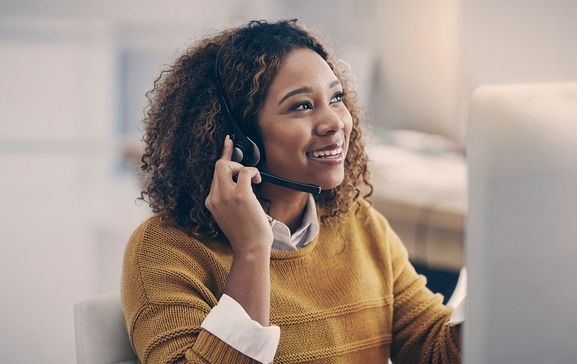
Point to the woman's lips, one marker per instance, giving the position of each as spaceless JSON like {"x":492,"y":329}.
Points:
{"x":334,"y":151}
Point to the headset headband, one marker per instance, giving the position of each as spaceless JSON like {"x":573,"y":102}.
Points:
{"x":245,"y":150}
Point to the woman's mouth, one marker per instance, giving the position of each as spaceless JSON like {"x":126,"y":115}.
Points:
{"x":329,"y":153}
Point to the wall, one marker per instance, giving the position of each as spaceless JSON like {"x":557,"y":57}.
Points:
{"x":417,"y":79}
{"x":64,"y":198}
{"x":421,"y":66}
{"x":518,"y":41}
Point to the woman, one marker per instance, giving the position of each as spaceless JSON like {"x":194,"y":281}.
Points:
{"x":237,"y":267}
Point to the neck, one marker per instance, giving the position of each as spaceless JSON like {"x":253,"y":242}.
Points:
{"x":284,"y":205}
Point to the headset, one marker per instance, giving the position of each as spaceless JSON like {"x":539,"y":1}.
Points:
{"x":245,"y":150}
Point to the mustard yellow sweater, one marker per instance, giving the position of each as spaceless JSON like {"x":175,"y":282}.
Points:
{"x":351,"y":296}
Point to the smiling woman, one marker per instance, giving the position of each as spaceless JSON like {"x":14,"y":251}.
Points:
{"x":231,"y":260}
{"x":304,"y":124}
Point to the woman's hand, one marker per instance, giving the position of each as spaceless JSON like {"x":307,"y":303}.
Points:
{"x":242,"y":219}
{"x":235,"y":207}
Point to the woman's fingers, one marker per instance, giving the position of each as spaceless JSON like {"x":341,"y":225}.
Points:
{"x":248,"y":175}
{"x":227,"y":170}
{"x":224,"y":168}
{"x":227,"y":150}
{"x":234,"y":205}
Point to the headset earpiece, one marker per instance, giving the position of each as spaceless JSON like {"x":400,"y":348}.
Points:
{"x":237,"y":154}
{"x":245,"y":151}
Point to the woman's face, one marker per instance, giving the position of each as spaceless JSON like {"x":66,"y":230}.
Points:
{"x":305,"y":126}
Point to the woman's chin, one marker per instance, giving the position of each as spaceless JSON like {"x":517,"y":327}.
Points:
{"x":333,"y":183}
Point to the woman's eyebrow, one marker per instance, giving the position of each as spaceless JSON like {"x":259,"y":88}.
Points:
{"x":305,"y":89}
{"x":300,"y":90}
{"x":334,"y":83}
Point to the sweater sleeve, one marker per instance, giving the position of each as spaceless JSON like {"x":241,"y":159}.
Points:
{"x":167,"y":292}
{"x":420,"y":330}
{"x":170,"y":334}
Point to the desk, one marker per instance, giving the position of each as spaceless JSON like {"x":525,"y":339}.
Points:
{"x":423,"y":194}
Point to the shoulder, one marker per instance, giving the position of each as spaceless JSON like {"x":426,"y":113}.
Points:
{"x":156,"y":245}
{"x":364,"y":213}
{"x":154,"y":229}
{"x":164,"y":260}
{"x":153,"y":235}
{"x":370,"y":225}
{"x":361,"y":220}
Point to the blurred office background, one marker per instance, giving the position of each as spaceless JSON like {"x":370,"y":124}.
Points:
{"x":73,"y":77}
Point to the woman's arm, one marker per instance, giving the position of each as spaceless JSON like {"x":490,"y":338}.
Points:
{"x":421,"y":333}
{"x":171,"y":285}
{"x":239,"y":214}
{"x":167,"y":300}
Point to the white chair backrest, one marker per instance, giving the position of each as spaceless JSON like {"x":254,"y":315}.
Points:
{"x":101,"y":336}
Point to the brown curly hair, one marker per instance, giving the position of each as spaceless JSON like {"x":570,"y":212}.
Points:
{"x":184,"y":126}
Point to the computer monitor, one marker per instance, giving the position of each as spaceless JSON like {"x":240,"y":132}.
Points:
{"x":521,"y":228}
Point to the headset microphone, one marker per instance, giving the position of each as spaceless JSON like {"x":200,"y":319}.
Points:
{"x":246,"y":151}
{"x":293,"y":185}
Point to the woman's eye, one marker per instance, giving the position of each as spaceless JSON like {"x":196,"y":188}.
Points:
{"x":338,"y":97}
{"x":302,"y":106}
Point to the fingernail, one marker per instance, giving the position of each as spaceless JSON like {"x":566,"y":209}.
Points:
{"x":226,"y":139}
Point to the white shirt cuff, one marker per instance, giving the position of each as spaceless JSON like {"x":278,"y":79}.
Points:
{"x":230,"y":323}
{"x":458,"y":298}
{"x":458,"y":315}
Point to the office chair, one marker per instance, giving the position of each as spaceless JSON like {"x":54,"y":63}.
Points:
{"x":100,"y":334}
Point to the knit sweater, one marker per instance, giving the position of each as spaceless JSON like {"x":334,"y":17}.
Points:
{"x":350,"y":296}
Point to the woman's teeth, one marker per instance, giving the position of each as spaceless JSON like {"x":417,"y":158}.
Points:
{"x":326,"y":153}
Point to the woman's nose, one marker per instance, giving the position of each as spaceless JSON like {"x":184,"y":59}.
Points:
{"x":328,"y":121}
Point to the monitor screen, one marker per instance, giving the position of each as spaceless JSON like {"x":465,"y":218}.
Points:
{"x":521,"y":228}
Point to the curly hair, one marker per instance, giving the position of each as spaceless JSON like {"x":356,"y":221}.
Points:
{"x":184,"y":126}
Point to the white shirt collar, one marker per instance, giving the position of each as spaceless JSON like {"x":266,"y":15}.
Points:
{"x":307,"y":232}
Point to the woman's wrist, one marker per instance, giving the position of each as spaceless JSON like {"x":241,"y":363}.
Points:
{"x":252,"y":250}
{"x":249,"y":283}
